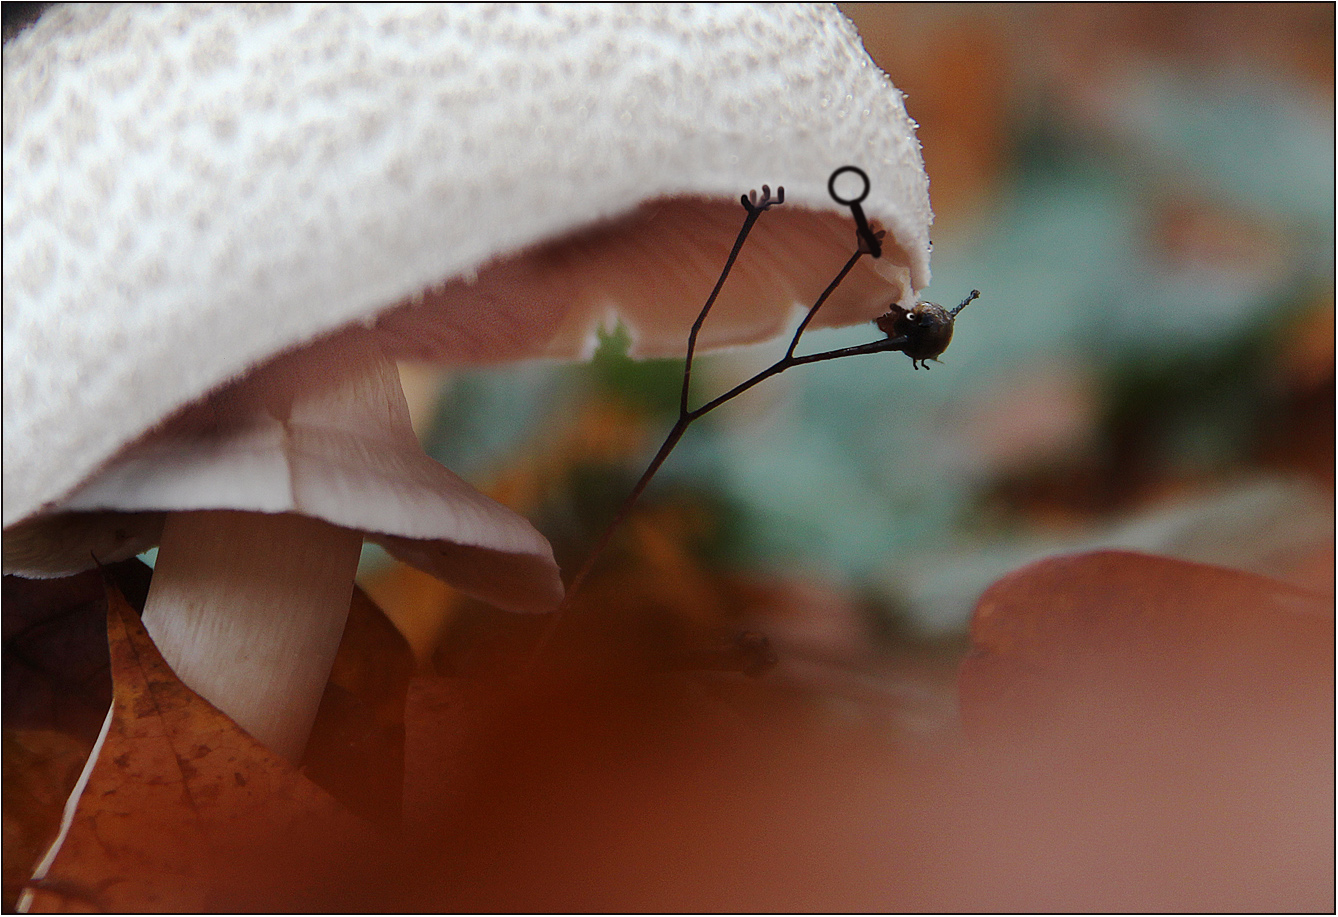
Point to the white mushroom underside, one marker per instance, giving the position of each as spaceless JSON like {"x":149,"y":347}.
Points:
{"x":347,"y":453}
{"x":650,"y":271}
{"x":325,"y":433}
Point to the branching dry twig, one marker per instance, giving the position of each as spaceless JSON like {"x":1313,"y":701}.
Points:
{"x":922,"y":332}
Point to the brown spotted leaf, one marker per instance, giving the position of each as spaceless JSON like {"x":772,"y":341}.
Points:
{"x":183,"y":811}
{"x":40,"y":767}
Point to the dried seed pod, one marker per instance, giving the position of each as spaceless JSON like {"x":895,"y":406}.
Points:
{"x":927,"y":328}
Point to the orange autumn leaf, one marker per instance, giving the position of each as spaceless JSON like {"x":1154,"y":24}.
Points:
{"x":1088,"y":636}
{"x":40,"y":766}
{"x":1157,"y":733}
{"x":182,"y":810}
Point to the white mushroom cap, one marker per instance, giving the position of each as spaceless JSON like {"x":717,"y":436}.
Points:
{"x":190,"y":191}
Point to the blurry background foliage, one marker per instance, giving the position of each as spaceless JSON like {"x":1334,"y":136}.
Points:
{"x":1144,"y":196}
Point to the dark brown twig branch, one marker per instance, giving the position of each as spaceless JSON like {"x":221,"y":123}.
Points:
{"x":869,"y":243}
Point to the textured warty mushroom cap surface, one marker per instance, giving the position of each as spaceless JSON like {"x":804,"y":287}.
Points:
{"x":191,"y":190}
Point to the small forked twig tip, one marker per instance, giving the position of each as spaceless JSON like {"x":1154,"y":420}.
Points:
{"x":753,"y":203}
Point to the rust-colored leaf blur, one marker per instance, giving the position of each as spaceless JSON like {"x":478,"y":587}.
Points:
{"x":1048,"y":628}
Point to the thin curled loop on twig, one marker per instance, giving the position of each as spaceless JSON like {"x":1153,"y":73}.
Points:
{"x":870,"y":241}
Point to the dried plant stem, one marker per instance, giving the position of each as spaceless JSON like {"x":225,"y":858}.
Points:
{"x":670,"y":441}
{"x":687,"y":415}
{"x":921,"y":332}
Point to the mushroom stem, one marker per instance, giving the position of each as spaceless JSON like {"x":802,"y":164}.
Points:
{"x":248,"y":609}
